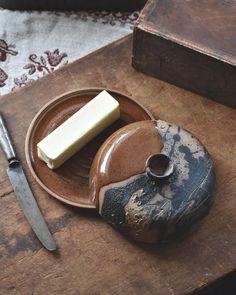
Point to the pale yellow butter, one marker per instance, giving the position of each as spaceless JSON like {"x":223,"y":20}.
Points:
{"x":78,"y":130}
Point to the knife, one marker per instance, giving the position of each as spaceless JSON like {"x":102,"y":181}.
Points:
{"x":23,"y":192}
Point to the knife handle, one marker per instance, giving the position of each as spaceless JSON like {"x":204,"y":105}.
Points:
{"x":6,"y":142}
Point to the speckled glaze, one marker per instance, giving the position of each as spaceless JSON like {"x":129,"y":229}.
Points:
{"x":121,"y":157}
{"x":140,"y":206}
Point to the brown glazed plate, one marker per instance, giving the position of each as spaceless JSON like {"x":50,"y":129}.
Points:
{"x":69,"y":183}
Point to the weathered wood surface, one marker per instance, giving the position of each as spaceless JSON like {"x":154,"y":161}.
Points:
{"x":92,"y":257}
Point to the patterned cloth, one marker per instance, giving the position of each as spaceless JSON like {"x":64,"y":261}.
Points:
{"x":33,"y":44}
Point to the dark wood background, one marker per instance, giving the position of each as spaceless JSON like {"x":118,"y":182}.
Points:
{"x":93,"y":258}
{"x":125,"y":5}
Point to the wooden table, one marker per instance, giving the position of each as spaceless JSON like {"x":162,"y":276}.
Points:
{"x":93,"y":258}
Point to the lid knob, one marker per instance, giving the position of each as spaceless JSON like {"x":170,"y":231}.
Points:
{"x":159,"y":166}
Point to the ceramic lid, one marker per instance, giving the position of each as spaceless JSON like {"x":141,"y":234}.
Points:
{"x":152,"y":180}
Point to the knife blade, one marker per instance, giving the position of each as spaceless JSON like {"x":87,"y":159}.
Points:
{"x":23,"y":192}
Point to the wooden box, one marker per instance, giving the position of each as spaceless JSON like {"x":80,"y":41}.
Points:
{"x":191,"y":44}
{"x":126,"y":5}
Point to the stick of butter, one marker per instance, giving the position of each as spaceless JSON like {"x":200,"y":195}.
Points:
{"x":79,"y":129}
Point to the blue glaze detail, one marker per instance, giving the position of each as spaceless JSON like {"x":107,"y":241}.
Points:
{"x":167,"y":208}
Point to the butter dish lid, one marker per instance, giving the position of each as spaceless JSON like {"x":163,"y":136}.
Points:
{"x":152,"y":180}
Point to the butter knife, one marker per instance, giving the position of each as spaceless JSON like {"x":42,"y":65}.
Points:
{"x":23,"y":192}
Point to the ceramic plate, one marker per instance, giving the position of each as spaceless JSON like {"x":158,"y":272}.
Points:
{"x":69,"y":183}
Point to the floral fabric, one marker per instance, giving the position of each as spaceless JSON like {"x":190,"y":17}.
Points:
{"x":34,"y":44}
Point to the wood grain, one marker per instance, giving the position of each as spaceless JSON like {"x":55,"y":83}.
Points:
{"x":92,"y":257}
